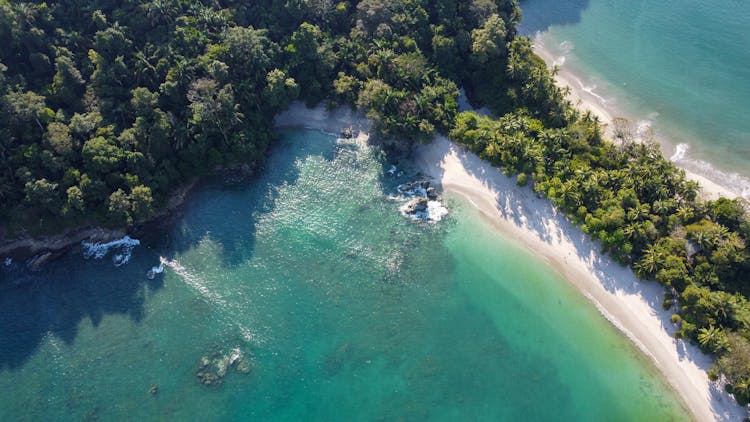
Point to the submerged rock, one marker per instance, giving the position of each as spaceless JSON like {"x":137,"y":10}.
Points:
{"x":347,"y":133}
{"x":242,"y":366}
{"x":208,"y":378}
{"x":213,"y":368}
{"x":204,"y":362}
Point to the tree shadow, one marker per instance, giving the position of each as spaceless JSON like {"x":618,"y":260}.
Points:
{"x":573,"y":249}
{"x":237,"y":202}
{"x":53,"y":302}
{"x":539,"y":15}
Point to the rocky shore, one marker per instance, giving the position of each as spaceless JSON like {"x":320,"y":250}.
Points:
{"x":425,"y":203}
{"x":35,"y":252}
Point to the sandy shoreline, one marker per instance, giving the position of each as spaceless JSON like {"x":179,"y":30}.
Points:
{"x":633,"y":306}
{"x":589,"y":100}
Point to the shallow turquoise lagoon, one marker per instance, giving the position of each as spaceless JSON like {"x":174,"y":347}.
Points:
{"x":323,"y":303}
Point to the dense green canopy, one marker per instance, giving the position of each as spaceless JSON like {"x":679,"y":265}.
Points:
{"x":106,"y":107}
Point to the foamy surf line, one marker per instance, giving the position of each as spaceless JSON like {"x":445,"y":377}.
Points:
{"x":715,"y":183}
{"x":738,"y":184}
{"x":99,"y":250}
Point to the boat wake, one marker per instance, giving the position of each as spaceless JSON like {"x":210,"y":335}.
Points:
{"x":225,"y":309}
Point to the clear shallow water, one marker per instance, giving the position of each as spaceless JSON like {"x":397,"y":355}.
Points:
{"x":683,"y":66}
{"x":344,"y":310}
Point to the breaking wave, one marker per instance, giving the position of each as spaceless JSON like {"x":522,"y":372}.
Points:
{"x":732,"y":181}
{"x":99,"y":250}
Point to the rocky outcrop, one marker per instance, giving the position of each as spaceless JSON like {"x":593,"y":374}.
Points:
{"x":425,"y":203}
{"x":40,"y":251}
{"x":212,"y":369}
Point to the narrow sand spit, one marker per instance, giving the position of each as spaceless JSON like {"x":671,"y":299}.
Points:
{"x":633,"y":306}
{"x":588,"y":100}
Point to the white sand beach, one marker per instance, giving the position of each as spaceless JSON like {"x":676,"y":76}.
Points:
{"x":588,"y":100}
{"x":633,"y":306}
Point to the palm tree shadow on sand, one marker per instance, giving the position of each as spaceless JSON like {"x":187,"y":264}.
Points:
{"x":526,"y":210}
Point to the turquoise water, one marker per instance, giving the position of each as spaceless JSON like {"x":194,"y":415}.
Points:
{"x":339,"y":308}
{"x":683,"y":66}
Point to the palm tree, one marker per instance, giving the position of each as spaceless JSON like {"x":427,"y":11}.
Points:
{"x":649,"y":262}
{"x":685,"y":213}
{"x":630,"y":230}
{"x":703,"y":239}
{"x":707,"y":335}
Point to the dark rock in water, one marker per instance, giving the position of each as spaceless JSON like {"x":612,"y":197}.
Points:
{"x":432,"y":193}
{"x":208,"y":378}
{"x":243,"y":366}
{"x":37,"y":262}
{"x":347,"y":133}
{"x":153,"y":390}
{"x":212,"y":368}
{"x":335,"y":361}
{"x":415,"y":205}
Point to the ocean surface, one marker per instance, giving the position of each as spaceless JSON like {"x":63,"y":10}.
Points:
{"x":303,"y":294}
{"x":682,"y":67}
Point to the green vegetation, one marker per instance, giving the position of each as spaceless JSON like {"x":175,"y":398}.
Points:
{"x":644,"y":213}
{"x":106,"y":107}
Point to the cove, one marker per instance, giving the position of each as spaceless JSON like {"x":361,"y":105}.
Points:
{"x":340,"y":308}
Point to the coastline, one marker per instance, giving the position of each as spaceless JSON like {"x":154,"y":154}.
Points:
{"x":36,"y":252}
{"x":633,"y":306}
{"x":585,"y":99}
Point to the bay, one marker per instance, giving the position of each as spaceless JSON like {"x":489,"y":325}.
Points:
{"x":330,"y":305}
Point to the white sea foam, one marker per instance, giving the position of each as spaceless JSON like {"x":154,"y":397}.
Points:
{"x":7,"y":262}
{"x":392,"y":171}
{"x":680,"y":152}
{"x":559,"y":61}
{"x":151,"y":274}
{"x":734,"y":182}
{"x":99,"y":250}
{"x":195,"y":282}
{"x":227,"y":310}
{"x":436,"y":211}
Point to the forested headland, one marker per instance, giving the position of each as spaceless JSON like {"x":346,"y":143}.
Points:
{"x":107,"y":107}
